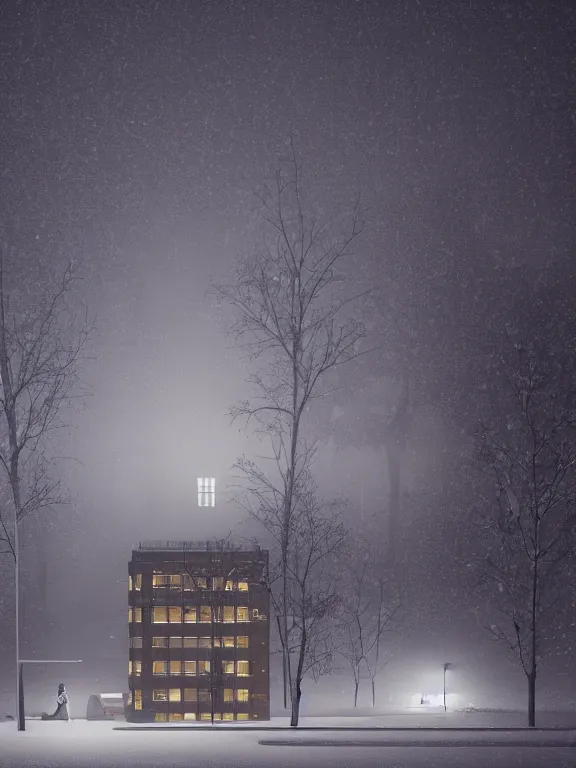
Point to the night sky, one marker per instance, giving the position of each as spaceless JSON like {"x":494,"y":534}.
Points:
{"x":133,"y":136}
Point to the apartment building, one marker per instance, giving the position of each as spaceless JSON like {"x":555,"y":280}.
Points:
{"x":199,"y":632}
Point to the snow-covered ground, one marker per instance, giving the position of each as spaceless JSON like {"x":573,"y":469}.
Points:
{"x":81,"y":744}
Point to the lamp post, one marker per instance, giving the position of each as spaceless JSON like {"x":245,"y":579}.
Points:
{"x":445,"y":667}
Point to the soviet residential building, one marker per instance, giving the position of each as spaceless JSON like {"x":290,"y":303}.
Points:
{"x":199,"y":632}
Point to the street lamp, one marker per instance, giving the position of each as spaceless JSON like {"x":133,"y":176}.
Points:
{"x":445,"y":666}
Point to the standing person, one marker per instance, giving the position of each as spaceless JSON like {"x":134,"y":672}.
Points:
{"x":62,"y":702}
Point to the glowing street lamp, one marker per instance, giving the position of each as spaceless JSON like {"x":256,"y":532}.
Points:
{"x":445,"y":666}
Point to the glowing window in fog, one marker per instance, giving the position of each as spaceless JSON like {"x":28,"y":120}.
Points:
{"x":206,"y":491}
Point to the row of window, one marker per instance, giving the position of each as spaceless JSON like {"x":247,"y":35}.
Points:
{"x":188,"y":582}
{"x":239,"y":668}
{"x":203,"y":694}
{"x":196,"y":695}
{"x":230,"y":641}
{"x":204,"y":614}
{"x":164,"y":717}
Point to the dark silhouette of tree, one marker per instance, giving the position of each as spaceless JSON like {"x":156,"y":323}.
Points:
{"x":526,"y":447}
{"x":290,"y":316}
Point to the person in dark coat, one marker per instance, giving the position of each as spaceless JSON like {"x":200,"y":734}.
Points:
{"x":62,"y":703}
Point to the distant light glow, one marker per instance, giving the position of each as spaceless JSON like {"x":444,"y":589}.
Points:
{"x":206,"y":491}
{"x":428,"y":700}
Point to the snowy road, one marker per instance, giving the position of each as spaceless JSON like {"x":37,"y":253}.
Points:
{"x":97,"y":745}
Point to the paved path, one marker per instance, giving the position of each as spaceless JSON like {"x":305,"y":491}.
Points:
{"x":98,"y":745}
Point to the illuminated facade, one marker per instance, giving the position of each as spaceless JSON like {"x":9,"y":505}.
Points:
{"x":199,"y":633}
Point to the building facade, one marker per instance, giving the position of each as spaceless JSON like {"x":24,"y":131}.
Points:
{"x":199,"y":632}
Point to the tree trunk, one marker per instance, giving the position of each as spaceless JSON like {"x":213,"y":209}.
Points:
{"x":296,"y":705}
{"x":297,"y":682}
{"x":532,"y":698}
{"x":373,"y":693}
{"x":12,"y":422}
{"x":355,"y":693}
{"x":284,"y":662}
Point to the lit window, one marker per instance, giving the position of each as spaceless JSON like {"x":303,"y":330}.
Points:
{"x":175,"y":642}
{"x":159,"y":642}
{"x":175,"y":694}
{"x":189,"y":715}
{"x":130,"y":585}
{"x":228,"y":642}
{"x":243,"y":614}
{"x":159,"y":580}
{"x":189,"y":667}
{"x":243,"y":668}
{"x":203,"y":667}
{"x":218,"y":583}
{"x":159,"y":667}
{"x":203,"y":694}
{"x":229,"y":586}
{"x":129,"y":668}
{"x":137,"y":668}
{"x":190,"y":642}
{"x":159,"y":694}
{"x":228,"y":694}
{"x":204,"y":642}
{"x":205,"y":614}
{"x":229,"y":614}
{"x":194,"y":582}
{"x":217,"y":716}
{"x":175,"y":667}
{"x":138,"y":582}
{"x":228,"y":716}
{"x":160,"y":717}
{"x":175,"y":716}
{"x":242,"y":694}
{"x":138,"y":615}
{"x":130,"y":615}
{"x":175,"y":581}
{"x":137,"y":699}
{"x":206,"y":716}
{"x":159,"y":614}
{"x":228,"y":667}
{"x":206,"y":491}
{"x":190,"y":694}
{"x":175,"y":614}
{"x":243,"y":586}
{"x":190,"y":615}
{"x":242,"y":716}
{"x":242,"y":641}
{"x":136,"y":642}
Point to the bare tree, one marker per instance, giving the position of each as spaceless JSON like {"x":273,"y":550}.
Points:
{"x":368,"y":610}
{"x":297,"y":328}
{"x":40,"y":348}
{"x":310,"y":593}
{"x":529,"y":455}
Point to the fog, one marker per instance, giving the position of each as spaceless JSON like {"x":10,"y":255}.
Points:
{"x":133,"y":139}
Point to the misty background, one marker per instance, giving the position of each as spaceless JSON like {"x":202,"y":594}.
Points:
{"x":133,"y":137}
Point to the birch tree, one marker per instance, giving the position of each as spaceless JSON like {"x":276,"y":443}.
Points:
{"x":41,"y":343}
{"x":528,"y":453}
{"x":291,"y":317}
